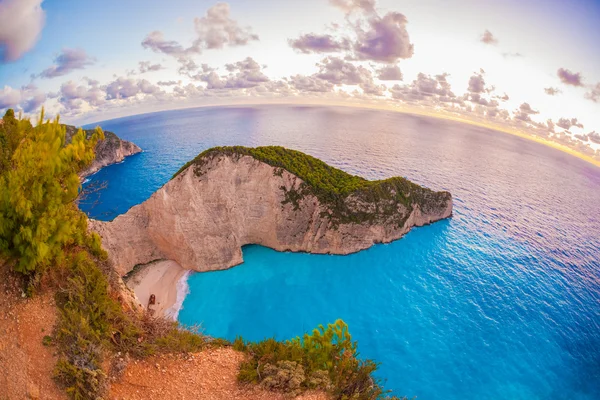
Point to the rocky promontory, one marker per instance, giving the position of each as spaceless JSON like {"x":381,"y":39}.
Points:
{"x":109,"y":151}
{"x":229,"y":197}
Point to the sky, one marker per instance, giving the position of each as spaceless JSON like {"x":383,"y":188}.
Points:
{"x":528,"y":66}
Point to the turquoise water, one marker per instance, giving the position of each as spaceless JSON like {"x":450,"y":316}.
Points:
{"x":500,"y":301}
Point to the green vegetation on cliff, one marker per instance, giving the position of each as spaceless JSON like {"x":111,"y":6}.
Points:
{"x":348,"y":197}
{"x":327,"y":360}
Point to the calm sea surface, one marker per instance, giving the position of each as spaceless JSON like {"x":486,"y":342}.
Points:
{"x":500,"y":302}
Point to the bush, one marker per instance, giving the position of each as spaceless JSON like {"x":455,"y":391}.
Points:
{"x":286,"y":376}
{"x":326,"y":360}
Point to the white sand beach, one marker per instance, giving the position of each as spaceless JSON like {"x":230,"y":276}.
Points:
{"x":162,"y":279}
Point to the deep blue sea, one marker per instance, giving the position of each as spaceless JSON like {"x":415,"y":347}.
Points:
{"x":502,"y":301}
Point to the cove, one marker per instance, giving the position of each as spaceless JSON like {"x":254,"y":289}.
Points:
{"x":500,"y":301}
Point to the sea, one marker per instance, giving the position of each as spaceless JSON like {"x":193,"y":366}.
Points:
{"x":501,"y":301}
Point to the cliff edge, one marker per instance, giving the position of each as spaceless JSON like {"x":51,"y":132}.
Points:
{"x":109,"y":151}
{"x":228,"y":197}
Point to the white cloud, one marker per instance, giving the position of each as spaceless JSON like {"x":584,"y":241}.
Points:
{"x":67,"y":61}
{"x":21,"y":23}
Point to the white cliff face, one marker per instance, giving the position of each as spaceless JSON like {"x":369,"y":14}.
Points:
{"x":201,"y":220}
{"x":110,"y":151}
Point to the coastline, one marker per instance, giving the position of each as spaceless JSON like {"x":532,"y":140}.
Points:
{"x":164,"y":279}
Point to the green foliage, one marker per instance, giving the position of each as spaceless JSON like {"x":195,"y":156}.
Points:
{"x":12,"y":131}
{"x":47,"y":340}
{"x":38,"y":190}
{"x":326,"y":359}
{"x":92,"y":323}
{"x":333,"y":187}
{"x":286,"y":376}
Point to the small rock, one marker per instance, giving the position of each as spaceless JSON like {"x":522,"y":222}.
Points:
{"x":33,"y":391}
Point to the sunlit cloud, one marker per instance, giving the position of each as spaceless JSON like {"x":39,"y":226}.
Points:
{"x":67,"y":61}
{"x":570,"y":78}
{"x":21,"y":23}
{"x":488,"y":38}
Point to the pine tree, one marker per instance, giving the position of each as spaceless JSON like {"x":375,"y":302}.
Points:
{"x":12,"y":131}
{"x":38,"y":190}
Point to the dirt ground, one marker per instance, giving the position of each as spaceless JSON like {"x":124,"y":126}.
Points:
{"x":26,"y":365}
{"x":210,"y":374}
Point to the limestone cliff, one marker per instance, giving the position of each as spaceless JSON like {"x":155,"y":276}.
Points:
{"x":109,"y":151}
{"x":230,"y":197}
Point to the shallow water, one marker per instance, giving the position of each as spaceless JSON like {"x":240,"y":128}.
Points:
{"x":500,"y":301}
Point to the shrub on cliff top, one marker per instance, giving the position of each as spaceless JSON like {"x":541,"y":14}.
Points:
{"x":326,"y":359}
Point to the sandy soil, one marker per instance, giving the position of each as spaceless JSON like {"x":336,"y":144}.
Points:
{"x":210,"y":374}
{"x":26,"y":365}
{"x":159,"y":278}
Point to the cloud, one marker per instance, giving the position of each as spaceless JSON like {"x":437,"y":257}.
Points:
{"x":594,"y":93}
{"x":123,"y":88}
{"x":310,"y":84}
{"x":477,"y":88}
{"x":213,"y":31}
{"x":67,"y":61}
{"x":242,"y":75}
{"x":385,"y":40}
{"x":374,"y":37}
{"x":594,"y":137}
{"x":524,"y":112}
{"x":373,"y":89}
{"x":168,"y":83}
{"x":313,"y":43}
{"x":476,"y":84}
{"x":550,"y":91}
{"x":188,"y":91}
{"x":216,"y":29}
{"x":513,"y":55}
{"x":350,"y":6}
{"x":74,"y":97}
{"x":28,"y":98}
{"x":567,"y":123}
{"x":569,"y":78}
{"x":390,"y":73}
{"x":425,"y":88}
{"x":33,"y":103}
{"x":488,"y":38}
{"x":340,"y":72}
{"x":21,"y":23}
{"x":146,"y":66}
{"x":9,"y":97}
{"x":156,"y":42}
